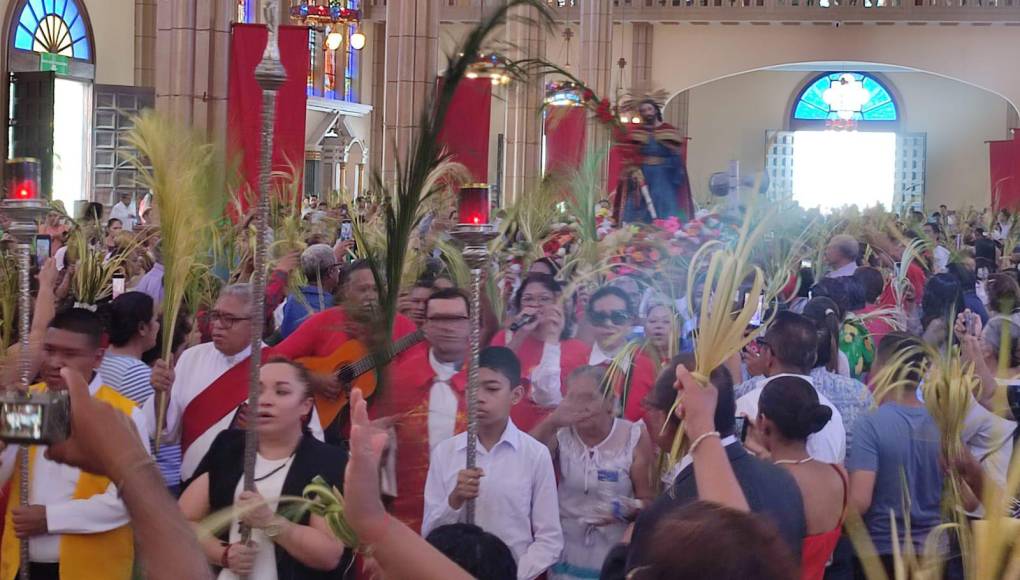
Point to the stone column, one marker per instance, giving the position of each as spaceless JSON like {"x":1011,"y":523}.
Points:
{"x":412,"y":47}
{"x":641,"y":69}
{"x":524,"y":107}
{"x":377,"y":139}
{"x":145,"y":43}
{"x":192,"y":59}
{"x":596,"y":54}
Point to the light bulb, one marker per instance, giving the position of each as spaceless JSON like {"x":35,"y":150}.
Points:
{"x":334,"y":40}
{"x":358,"y":39}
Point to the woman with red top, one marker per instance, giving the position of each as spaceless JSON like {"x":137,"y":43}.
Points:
{"x":612,"y":315}
{"x":546,"y":356}
{"x":788,"y":412}
{"x":873,"y":283}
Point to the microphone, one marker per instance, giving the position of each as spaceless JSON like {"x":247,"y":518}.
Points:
{"x":528,"y":319}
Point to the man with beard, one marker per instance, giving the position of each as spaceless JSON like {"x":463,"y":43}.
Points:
{"x":656,"y":167}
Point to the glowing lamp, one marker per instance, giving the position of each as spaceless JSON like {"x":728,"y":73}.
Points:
{"x":333,"y":40}
{"x":473,"y":204}
{"x":21,"y":178}
{"x":358,"y":39}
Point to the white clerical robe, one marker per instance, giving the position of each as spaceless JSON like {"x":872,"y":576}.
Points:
{"x":198,"y":368}
{"x":53,"y":485}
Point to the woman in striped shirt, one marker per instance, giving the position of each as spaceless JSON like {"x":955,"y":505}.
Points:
{"x":133,"y":329}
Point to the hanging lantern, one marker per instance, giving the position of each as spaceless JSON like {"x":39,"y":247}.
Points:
{"x":334,"y":40}
{"x":358,"y":39}
{"x":492,"y":66}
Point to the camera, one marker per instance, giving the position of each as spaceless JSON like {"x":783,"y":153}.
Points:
{"x":42,"y":418}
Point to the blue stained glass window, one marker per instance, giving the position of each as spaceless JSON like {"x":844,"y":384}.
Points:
{"x":869,"y":99}
{"x":54,"y":26}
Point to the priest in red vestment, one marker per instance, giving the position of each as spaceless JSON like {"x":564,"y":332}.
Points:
{"x":423,"y":398}
{"x":653,"y":183}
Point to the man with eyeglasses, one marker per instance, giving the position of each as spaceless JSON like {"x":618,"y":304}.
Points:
{"x":209,"y":384}
{"x":423,"y":398}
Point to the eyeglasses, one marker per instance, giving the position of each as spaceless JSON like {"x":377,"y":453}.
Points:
{"x":448,"y":320}
{"x":226,"y":320}
{"x":617,"y":317}
{"x":539,"y":300}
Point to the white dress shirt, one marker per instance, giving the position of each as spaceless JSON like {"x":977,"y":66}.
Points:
{"x":827,"y":445}
{"x":442,"y":402}
{"x":600,"y":357}
{"x":122,"y":212}
{"x":53,"y":484}
{"x":843,"y":271}
{"x":198,"y":368}
{"x":517,"y":498}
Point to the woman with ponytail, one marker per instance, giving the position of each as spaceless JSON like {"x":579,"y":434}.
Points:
{"x":850,"y":397}
{"x":788,"y":412}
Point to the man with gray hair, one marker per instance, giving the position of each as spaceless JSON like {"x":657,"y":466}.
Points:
{"x":208,"y":386}
{"x":841,"y":256}
{"x":322,"y":274}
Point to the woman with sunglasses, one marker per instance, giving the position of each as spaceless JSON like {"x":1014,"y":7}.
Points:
{"x":539,"y":341}
{"x":632,"y":374}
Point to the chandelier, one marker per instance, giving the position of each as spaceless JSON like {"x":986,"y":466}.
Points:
{"x":492,"y":66}
{"x":332,"y":13}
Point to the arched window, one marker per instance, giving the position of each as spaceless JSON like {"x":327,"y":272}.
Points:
{"x":53,"y":26}
{"x":853,"y":99}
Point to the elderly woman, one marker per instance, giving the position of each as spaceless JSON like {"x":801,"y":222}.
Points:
{"x":841,"y":255}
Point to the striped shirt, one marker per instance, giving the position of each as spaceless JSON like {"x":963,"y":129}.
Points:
{"x":132,"y":378}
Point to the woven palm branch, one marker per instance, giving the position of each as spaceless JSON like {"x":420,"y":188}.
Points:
{"x":180,"y":168}
{"x":422,"y":174}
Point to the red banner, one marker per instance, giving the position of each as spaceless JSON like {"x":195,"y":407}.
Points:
{"x":465,"y":132}
{"x":565,"y":133}
{"x":1004,"y":173}
{"x":244,"y":101}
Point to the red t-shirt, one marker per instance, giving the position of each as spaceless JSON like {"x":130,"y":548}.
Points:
{"x":324,"y":332}
{"x":917,"y":279}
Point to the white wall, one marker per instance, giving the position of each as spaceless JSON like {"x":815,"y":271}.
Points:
{"x":728,"y":119}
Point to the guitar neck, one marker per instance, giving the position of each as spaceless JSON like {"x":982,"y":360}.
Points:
{"x":386,"y":354}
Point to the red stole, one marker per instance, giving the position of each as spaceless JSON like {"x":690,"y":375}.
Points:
{"x":406,"y":393}
{"x":221,"y":397}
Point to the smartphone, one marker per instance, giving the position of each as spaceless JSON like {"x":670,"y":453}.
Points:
{"x":741,"y":427}
{"x":982,"y":273}
{"x":43,"y":244}
{"x":346,"y":230}
{"x":805,"y":264}
{"x":759,"y":312}
{"x":118,"y":284}
{"x":971,"y":323}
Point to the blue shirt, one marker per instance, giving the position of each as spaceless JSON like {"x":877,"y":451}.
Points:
{"x":901,"y":445}
{"x":972,"y":302}
{"x":133,"y":379}
{"x":312,"y":299}
{"x":850,"y":397}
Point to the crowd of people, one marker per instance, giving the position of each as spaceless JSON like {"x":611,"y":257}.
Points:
{"x":577,"y":414}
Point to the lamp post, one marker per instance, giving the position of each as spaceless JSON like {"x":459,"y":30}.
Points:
{"x":474,"y":232}
{"x":270,"y":75}
{"x":24,"y":204}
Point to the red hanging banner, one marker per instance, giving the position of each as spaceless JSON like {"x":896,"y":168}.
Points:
{"x":465,"y":132}
{"x":1004,"y":173}
{"x":565,"y":134}
{"x":244,"y":101}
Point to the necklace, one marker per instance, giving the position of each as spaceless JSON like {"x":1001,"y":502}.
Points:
{"x":793,"y":461}
{"x":274,"y":471}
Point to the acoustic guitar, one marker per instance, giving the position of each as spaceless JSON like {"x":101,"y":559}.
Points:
{"x":353,"y":364}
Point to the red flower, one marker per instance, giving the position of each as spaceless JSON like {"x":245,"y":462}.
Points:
{"x":588,"y":95}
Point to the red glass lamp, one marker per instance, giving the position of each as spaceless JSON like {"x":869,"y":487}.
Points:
{"x":473,"y":205}
{"x":22,"y":178}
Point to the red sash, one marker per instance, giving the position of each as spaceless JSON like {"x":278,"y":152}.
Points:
{"x":222,"y":396}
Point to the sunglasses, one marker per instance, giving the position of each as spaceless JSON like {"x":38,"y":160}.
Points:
{"x":617,"y":317}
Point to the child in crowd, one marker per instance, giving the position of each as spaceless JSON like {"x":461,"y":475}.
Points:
{"x":513,"y":483}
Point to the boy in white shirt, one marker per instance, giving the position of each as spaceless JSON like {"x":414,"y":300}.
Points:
{"x":513,"y":484}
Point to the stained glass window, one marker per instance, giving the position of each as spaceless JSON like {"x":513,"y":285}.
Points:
{"x":842,"y":96}
{"x":352,"y":62}
{"x":53,"y":26}
{"x":246,"y":11}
